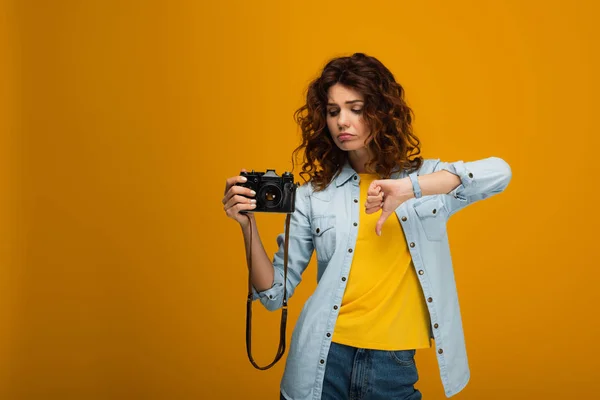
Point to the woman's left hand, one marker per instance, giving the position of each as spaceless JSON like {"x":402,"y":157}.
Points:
{"x":387,"y":195}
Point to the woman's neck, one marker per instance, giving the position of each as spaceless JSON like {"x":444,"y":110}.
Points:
{"x":358,"y":159}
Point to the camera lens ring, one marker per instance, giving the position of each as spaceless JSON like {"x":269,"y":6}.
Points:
{"x":270,"y":196}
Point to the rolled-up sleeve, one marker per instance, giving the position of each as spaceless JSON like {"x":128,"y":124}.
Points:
{"x":300,"y":249}
{"x":479,"y":179}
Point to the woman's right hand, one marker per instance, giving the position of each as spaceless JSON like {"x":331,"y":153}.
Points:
{"x":235,"y":201}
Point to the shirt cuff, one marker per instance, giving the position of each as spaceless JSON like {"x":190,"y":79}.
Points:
{"x":415,"y":184}
{"x":269,"y":294}
{"x":466,"y":178}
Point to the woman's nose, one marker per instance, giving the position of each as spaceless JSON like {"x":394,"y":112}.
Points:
{"x":342,"y":120}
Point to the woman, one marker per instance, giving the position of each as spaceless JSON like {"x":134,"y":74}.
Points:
{"x":385,"y":283}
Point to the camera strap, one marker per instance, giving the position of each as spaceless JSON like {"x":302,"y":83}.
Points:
{"x":282,"y":329}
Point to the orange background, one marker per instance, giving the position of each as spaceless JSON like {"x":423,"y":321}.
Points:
{"x":121,"y":277}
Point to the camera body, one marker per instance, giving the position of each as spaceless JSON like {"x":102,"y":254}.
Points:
{"x":274,"y":193}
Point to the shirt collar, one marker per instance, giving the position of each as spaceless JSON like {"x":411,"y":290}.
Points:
{"x":346,"y":173}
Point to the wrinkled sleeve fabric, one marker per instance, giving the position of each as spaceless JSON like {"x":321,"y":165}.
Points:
{"x":479,"y":179}
{"x":300,"y":251}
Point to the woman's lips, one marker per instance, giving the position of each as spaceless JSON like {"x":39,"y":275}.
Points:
{"x":344,"y":136}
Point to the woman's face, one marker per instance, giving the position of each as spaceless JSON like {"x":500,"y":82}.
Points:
{"x":345,"y":118}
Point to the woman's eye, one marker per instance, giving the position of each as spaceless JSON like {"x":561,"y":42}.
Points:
{"x":333,"y":113}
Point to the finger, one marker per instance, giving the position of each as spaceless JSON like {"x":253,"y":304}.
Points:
{"x":374,"y":204}
{"x":373,"y":209}
{"x":232,"y":190}
{"x":238,"y":199}
{"x":244,"y":207}
{"x":233,"y":180}
{"x":382,"y":219}
{"x":371,"y":206}
{"x":374,"y":189}
{"x":233,"y":211}
{"x":244,"y":191}
{"x":376,"y":192}
{"x":374,"y":199}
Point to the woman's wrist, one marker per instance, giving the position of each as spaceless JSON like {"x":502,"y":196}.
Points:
{"x":404,"y":189}
{"x":245,"y":223}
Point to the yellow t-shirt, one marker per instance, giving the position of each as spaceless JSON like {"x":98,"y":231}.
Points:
{"x":383,"y":305}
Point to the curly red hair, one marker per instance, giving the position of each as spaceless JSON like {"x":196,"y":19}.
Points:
{"x":391,"y":139}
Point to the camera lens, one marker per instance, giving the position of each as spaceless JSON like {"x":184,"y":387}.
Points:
{"x":270,"y":196}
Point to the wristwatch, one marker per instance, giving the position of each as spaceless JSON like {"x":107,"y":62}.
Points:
{"x":415,"y":185}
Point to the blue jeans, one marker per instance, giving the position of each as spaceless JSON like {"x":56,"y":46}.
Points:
{"x":363,"y":374}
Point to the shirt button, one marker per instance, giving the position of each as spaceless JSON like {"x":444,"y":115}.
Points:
{"x":421,"y":272}
{"x":434,"y":210}
{"x":435,"y":326}
{"x":356,"y":200}
{"x":470,"y":175}
{"x":430,"y":299}
{"x":440,"y":351}
{"x":355,"y":177}
{"x":270,"y":296}
{"x":355,"y":224}
{"x":412,"y":244}
{"x":349,"y":250}
{"x":318,"y":230}
{"x":403,"y":219}
{"x":343,"y":279}
{"x":328,"y":334}
{"x":322,"y":361}
{"x":335,"y":307}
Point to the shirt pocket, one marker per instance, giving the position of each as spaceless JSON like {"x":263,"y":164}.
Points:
{"x":323,"y":233}
{"x":432,"y":215}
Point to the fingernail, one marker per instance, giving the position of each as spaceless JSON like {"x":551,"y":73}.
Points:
{"x":252,"y":192}
{"x":252,"y":205}
{"x":244,"y":179}
{"x":253,"y":201}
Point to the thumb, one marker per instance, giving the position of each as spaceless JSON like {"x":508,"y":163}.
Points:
{"x":384,"y":216}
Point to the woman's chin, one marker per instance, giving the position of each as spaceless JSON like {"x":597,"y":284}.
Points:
{"x":346,"y":145}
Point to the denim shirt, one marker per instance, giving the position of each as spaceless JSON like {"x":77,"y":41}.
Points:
{"x":327,"y":222}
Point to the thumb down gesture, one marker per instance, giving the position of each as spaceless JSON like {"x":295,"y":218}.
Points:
{"x":387,"y":195}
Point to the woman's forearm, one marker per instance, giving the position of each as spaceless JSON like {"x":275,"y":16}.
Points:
{"x":262,"y":276}
{"x":440,"y":182}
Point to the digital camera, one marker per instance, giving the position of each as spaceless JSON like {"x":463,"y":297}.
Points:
{"x":274,"y":193}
